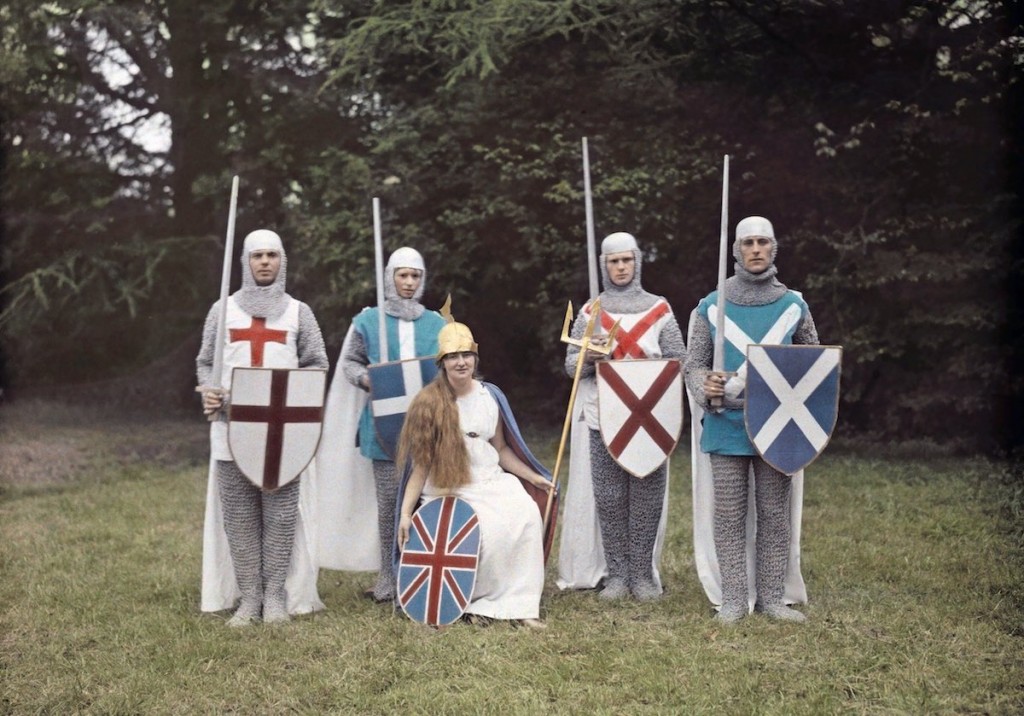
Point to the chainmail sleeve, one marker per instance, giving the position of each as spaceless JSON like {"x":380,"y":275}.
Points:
{"x":355,"y":358}
{"x":699,"y":358}
{"x":311,"y":349}
{"x":579,"y":327}
{"x":806,"y":333}
{"x":204,"y":360}
{"x":671,"y":340}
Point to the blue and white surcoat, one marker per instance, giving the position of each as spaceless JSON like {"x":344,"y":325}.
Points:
{"x":406,"y":339}
{"x":773,"y":323}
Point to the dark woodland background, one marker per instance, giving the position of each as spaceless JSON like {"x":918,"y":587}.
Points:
{"x":882,"y":138}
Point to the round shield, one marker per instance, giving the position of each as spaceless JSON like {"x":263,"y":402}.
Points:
{"x":437,"y":569}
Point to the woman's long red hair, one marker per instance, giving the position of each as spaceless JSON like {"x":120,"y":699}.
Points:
{"x":432,"y":437}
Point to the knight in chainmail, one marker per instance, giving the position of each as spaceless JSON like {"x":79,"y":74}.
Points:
{"x":629,"y":509}
{"x":265,"y":327}
{"x":765,"y":311}
{"x":411,"y":333}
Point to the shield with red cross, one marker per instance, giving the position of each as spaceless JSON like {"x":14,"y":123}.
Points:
{"x":640,"y":410}
{"x":274,"y":422}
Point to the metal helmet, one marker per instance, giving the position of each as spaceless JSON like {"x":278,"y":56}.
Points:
{"x":455,"y":338}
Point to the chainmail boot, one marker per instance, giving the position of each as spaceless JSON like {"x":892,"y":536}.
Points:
{"x":280,"y":509}
{"x":385,"y":476}
{"x":240,"y":501}
{"x":730,"y":530}
{"x":772,"y":497}
{"x":646,"y":499}
{"x":611,"y":499}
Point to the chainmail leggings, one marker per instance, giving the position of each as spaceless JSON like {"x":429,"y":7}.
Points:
{"x":385,"y":476}
{"x":260,"y":527}
{"x":628,"y":511}
{"x":771,"y":497}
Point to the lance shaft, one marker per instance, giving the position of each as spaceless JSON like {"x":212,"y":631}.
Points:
{"x":378,"y":252}
{"x":225,"y":288}
{"x":718,"y":362}
{"x":588,"y":202}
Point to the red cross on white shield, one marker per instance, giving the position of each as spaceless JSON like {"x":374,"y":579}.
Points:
{"x":274,"y":422}
{"x":640,"y":410}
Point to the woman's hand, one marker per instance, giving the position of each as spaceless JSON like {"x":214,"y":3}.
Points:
{"x":539,"y":480}
{"x":404,"y":525}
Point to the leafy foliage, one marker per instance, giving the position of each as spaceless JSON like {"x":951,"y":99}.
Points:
{"x":878,"y":137}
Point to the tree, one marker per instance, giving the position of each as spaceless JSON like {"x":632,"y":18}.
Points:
{"x":874,"y":134}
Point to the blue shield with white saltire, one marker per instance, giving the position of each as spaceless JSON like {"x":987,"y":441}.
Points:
{"x":792,"y":402}
{"x":437,"y":569}
{"x":392,"y":387}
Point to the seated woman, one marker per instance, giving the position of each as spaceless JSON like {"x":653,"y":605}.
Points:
{"x":457,"y":437}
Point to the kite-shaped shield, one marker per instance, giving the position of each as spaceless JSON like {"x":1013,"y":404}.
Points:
{"x":437,"y":569}
{"x":640,"y":410}
{"x":792,"y":402}
{"x":392,"y":387}
{"x":274,"y":422}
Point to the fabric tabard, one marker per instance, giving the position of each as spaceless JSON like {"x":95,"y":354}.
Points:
{"x":637,"y":337}
{"x":406,"y":339}
{"x":253,"y":342}
{"x":773,"y":323}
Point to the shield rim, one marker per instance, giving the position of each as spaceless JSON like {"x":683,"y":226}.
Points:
{"x":835,"y":412}
{"x":320,"y":435}
{"x":682,"y":409}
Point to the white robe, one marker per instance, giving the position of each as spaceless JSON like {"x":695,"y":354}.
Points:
{"x":349,"y":538}
{"x":510,"y":573}
{"x":704,"y":556}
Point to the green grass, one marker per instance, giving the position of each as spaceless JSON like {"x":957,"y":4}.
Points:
{"x":913,"y":567}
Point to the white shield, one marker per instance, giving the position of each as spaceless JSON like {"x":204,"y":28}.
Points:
{"x":640,"y":410}
{"x":274,"y":422}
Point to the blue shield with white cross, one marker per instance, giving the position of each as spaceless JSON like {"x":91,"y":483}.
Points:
{"x":792,"y":402}
{"x":392,"y":387}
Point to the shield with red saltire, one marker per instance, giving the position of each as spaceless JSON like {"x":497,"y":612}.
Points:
{"x":392,"y":387}
{"x":274,"y":422}
{"x":640,"y":411}
{"x":437,"y":569}
{"x":792,"y":402}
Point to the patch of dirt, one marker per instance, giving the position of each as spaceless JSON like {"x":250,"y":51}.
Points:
{"x":45,"y":444}
{"x":36,"y":461}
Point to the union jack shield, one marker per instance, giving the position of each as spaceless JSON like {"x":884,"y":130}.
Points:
{"x":274,"y":422}
{"x":792,"y":402}
{"x":640,"y":411}
{"x":437,"y":569}
{"x":392,"y":387}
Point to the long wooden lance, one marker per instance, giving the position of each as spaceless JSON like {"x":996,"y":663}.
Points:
{"x":378,"y":252}
{"x":718,"y":361}
{"x":588,"y":203}
{"x":225,"y":288}
{"x":585,"y":345}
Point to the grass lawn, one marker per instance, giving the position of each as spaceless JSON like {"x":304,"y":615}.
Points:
{"x":913,"y":566}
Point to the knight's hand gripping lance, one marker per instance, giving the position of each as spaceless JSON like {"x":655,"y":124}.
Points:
{"x":585,"y":344}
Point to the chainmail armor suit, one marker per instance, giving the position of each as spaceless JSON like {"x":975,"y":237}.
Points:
{"x":731,"y":467}
{"x":260,"y":526}
{"x":629,"y":509}
{"x":355,"y":357}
